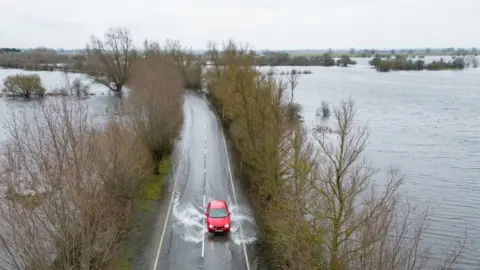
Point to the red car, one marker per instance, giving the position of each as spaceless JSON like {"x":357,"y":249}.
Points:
{"x":218,"y":216}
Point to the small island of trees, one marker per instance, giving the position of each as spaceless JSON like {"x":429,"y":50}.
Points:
{"x":285,"y":59}
{"x":400,"y":62}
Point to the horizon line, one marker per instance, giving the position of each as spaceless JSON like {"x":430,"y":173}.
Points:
{"x":275,"y":50}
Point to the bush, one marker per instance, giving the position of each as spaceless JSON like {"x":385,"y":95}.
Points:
{"x":325,"y":109}
{"x":23,"y":86}
{"x":77,"y":88}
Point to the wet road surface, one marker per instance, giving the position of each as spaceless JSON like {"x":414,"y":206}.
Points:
{"x":201,"y":172}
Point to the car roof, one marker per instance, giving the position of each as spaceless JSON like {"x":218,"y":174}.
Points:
{"x":218,"y":204}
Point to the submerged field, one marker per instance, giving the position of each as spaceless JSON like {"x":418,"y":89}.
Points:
{"x":425,"y":123}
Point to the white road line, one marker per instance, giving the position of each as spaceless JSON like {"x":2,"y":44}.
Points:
{"x":204,"y":175}
{"x":205,"y":130}
{"x":203,"y":239}
{"x":169,"y":207}
{"x":233,"y":190}
{"x":234,"y":196}
{"x":233,"y":187}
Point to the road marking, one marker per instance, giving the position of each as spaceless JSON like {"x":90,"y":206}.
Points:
{"x":233,"y":188}
{"x":169,"y":206}
{"x":234,"y":196}
{"x":231,"y":182}
{"x":203,"y":239}
{"x":204,"y":175}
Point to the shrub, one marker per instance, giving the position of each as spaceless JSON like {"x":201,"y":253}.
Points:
{"x":21,"y":85}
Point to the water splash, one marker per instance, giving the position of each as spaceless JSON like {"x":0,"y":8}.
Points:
{"x":188,"y":222}
{"x":242,"y":217}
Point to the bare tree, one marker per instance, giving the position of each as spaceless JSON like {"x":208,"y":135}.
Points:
{"x":189,"y":64}
{"x":293,"y":80}
{"x":155,"y":105}
{"x":152,"y":48}
{"x":176,"y":51}
{"x":109,"y":61}
{"x":69,"y":187}
{"x":325,"y":110}
{"x":362,"y":227}
{"x":76,"y":88}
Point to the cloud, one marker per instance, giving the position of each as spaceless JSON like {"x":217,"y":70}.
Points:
{"x":262,"y":23}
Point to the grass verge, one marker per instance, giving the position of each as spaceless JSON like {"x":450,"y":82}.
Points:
{"x":152,"y":190}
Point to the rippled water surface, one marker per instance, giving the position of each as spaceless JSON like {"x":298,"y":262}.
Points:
{"x":425,"y":123}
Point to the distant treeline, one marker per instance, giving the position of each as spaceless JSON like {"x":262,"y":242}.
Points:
{"x":40,"y":67}
{"x":285,"y":59}
{"x":368,"y":53}
{"x":9,"y":50}
{"x":50,"y":60}
{"x":400,"y":62}
{"x":41,"y":59}
{"x":289,"y":72}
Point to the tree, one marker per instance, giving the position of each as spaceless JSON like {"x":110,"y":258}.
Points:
{"x":78,"y":88}
{"x":154,"y":106}
{"x":70,"y":187}
{"x":74,"y":88}
{"x":362,"y":227}
{"x":316,"y":209}
{"x":21,"y":85}
{"x":260,"y":115}
{"x":189,"y":64}
{"x":151,"y":49}
{"x":352,"y":51}
{"x":109,"y":61}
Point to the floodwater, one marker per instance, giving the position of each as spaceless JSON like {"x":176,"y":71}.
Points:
{"x":101,"y":107}
{"x":426,"y":123}
{"x":101,"y":104}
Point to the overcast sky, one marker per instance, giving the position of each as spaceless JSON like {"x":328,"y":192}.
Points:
{"x":272,"y":24}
